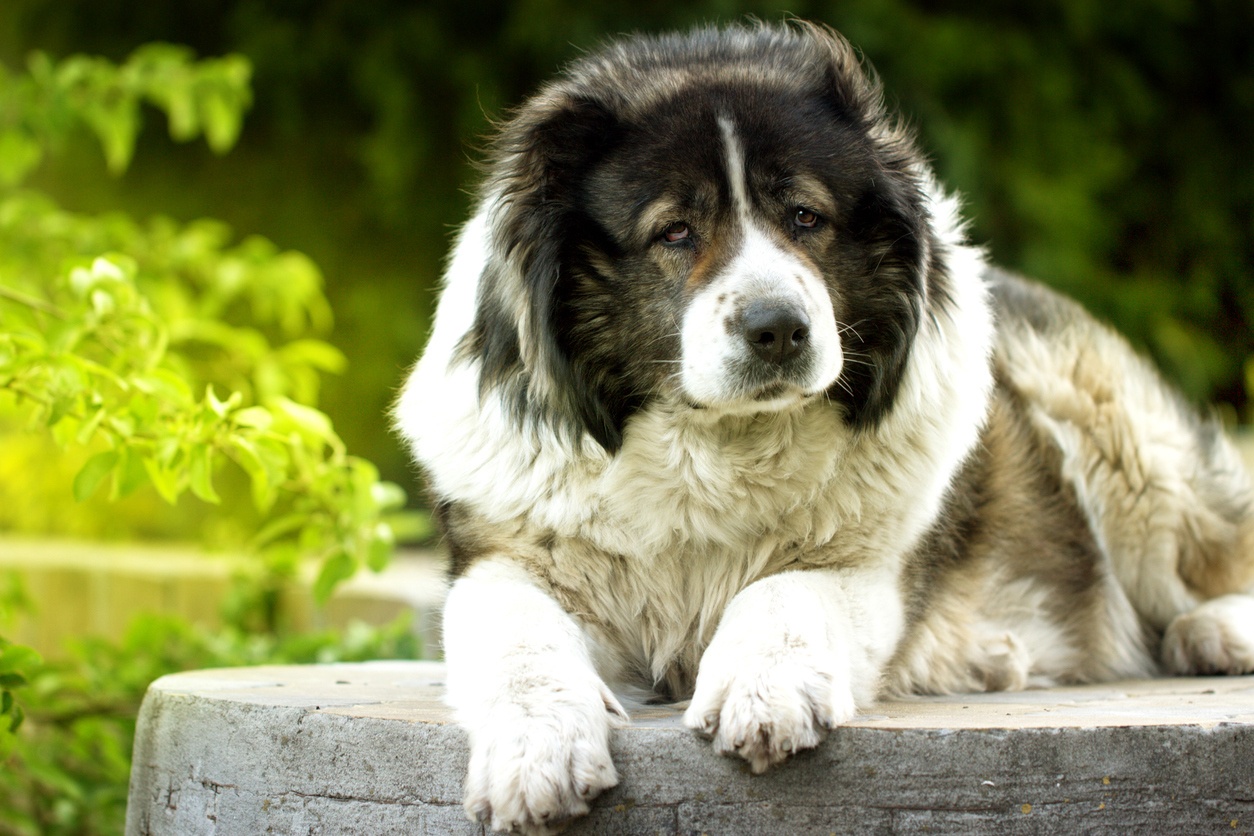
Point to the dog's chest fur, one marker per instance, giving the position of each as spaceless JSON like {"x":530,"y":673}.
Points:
{"x":686,"y":516}
{"x":647,"y":548}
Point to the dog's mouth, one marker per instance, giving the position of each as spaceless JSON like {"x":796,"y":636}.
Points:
{"x":770,"y":397}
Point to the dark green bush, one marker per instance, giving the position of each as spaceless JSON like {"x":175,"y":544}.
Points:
{"x":1102,"y":148}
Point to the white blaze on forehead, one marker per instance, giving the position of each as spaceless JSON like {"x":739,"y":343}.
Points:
{"x":735,"y":167}
{"x":718,"y":361}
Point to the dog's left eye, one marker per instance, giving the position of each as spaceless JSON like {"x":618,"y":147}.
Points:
{"x":676,"y":233}
{"x":805,"y":218}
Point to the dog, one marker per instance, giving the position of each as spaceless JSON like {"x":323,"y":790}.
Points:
{"x":721,"y":403}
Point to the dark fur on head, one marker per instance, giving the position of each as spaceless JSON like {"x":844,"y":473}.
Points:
{"x":574,"y":328}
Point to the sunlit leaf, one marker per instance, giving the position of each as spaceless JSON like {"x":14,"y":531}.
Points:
{"x":336,"y":569}
{"x":382,"y":543}
{"x":93,"y":472}
{"x":16,"y":657}
{"x":306,"y":419}
{"x":248,"y":456}
{"x":201,"y":473}
{"x":388,"y":495}
{"x":256,"y":417}
{"x":164,"y":479}
{"x":130,"y":475}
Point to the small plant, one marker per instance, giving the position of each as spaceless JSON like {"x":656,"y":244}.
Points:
{"x":170,"y":357}
{"x":67,"y":773}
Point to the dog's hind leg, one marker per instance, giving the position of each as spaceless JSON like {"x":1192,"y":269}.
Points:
{"x":1217,"y":637}
{"x":1166,"y":494}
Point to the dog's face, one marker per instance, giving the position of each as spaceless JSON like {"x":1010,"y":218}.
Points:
{"x":735,"y":242}
{"x":737,"y":247}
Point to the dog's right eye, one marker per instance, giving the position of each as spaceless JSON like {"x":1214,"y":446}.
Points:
{"x":676,"y":233}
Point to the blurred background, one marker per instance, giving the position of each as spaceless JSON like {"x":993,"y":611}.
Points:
{"x":1106,"y":149}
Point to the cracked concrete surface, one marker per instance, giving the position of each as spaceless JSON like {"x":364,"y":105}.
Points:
{"x":370,"y":749}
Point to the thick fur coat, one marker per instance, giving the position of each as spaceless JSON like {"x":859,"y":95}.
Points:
{"x":720,"y":403}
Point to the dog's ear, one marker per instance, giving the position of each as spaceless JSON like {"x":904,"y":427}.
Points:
{"x":892,"y":225}
{"x":541,"y":161}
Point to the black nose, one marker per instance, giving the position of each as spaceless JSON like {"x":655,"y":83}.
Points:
{"x":776,"y":330}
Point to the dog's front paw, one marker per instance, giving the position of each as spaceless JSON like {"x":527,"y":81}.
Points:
{"x":537,"y":758}
{"x":768,"y":704}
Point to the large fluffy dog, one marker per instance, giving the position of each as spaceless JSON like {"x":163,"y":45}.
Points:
{"x":721,"y":403}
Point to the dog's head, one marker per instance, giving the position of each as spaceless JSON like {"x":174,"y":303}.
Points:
{"x":727,"y":219}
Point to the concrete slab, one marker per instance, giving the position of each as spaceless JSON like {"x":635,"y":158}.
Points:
{"x":370,"y":749}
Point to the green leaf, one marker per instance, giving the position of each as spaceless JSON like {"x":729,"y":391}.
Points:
{"x":337,"y":568}
{"x":309,"y":421}
{"x":89,"y":427}
{"x":164,"y":384}
{"x":62,"y":404}
{"x":93,"y":473}
{"x":256,"y":417}
{"x":379,"y":552}
{"x":388,"y":496}
{"x":164,"y":479}
{"x":278,"y":528}
{"x":115,"y":121}
{"x":316,"y":353}
{"x":221,"y":408}
{"x":249,"y":457}
{"x":17,"y":657}
{"x":222,"y":118}
{"x":130,"y":475}
{"x":201,"y":473}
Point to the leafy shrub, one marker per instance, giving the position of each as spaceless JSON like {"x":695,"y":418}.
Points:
{"x":118,"y":335}
{"x":172,"y":359}
{"x":67,"y":773}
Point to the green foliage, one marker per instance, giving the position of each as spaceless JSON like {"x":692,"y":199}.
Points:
{"x":1101,"y":148}
{"x":15,"y":663}
{"x":66,"y":774}
{"x":117,"y":336}
{"x":167,"y":357}
{"x":38,"y":108}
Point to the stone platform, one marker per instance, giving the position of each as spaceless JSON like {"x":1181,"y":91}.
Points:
{"x":370,"y":749}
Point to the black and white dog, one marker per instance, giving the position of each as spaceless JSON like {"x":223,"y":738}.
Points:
{"x":720,"y":402}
